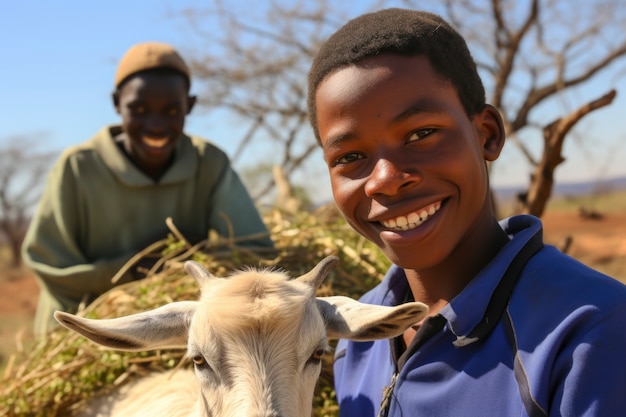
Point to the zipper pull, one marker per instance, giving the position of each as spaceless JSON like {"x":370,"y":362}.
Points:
{"x":387,"y":393}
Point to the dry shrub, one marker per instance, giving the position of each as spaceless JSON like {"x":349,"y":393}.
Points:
{"x":65,"y":369}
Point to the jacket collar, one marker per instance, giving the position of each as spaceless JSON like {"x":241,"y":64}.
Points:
{"x":183,"y":167}
{"x":473,"y":313}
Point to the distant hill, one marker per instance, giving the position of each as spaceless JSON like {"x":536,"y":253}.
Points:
{"x":569,"y":189}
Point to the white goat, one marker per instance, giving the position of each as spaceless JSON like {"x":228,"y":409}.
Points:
{"x":256,"y":340}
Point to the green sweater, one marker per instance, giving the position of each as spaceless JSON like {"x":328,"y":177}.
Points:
{"x":98,"y":210}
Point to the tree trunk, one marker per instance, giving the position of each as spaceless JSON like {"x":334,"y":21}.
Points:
{"x":16,"y":252}
{"x":542,"y":180}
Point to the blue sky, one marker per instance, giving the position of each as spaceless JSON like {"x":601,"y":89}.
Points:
{"x":59,"y":58}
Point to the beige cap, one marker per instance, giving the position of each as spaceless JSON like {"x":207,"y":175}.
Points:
{"x":149,"y":55}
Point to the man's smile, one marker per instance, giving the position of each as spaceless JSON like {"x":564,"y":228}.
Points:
{"x":155,"y":142}
{"x":412,"y":220}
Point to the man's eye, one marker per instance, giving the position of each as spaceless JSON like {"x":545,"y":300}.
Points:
{"x":173,"y":112}
{"x":347,"y":158}
{"x":138,"y":110}
{"x":420,"y":134}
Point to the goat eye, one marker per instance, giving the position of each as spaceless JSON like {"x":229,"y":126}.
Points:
{"x":201,"y":365}
{"x":198,"y":360}
{"x":318,"y":354}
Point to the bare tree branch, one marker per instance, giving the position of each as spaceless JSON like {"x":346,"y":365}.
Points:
{"x":508,"y":44}
{"x":554,"y":135}
{"x":22,"y":170}
{"x":529,"y":52}
{"x":536,"y":96}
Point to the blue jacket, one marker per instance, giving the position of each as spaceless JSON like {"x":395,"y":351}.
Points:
{"x":552,"y":343}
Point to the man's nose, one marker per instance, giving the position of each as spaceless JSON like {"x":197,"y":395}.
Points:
{"x":388,"y":177}
{"x":155,"y":124}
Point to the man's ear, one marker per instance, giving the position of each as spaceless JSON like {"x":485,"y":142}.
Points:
{"x":191,"y":101}
{"x":491,"y":127}
{"x":115,"y":96}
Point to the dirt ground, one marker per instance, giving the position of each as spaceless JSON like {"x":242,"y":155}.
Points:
{"x":598,"y":243}
{"x":18,"y":299}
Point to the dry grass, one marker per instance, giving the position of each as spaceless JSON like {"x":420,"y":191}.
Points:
{"x":53,"y":377}
{"x":56,"y":375}
{"x":604,"y":201}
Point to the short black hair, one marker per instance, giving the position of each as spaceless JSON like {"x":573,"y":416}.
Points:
{"x":400,"y":32}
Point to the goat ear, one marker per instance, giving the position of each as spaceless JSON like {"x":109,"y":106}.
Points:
{"x":162,"y":328}
{"x":350,"y":319}
{"x":198,"y":272}
{"x":316,"y":276}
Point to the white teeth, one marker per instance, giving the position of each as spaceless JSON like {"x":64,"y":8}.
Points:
{"x":412,"y":220}
{"x":402,"y":221}
{"x":154,"y":142}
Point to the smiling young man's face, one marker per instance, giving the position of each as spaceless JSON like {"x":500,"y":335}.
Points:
{"x":406,"y":162}
{"x":153,"y":107}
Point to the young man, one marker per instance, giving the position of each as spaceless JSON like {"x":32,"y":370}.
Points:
{"x":108,"y":198}
{"x":516,"y":328}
